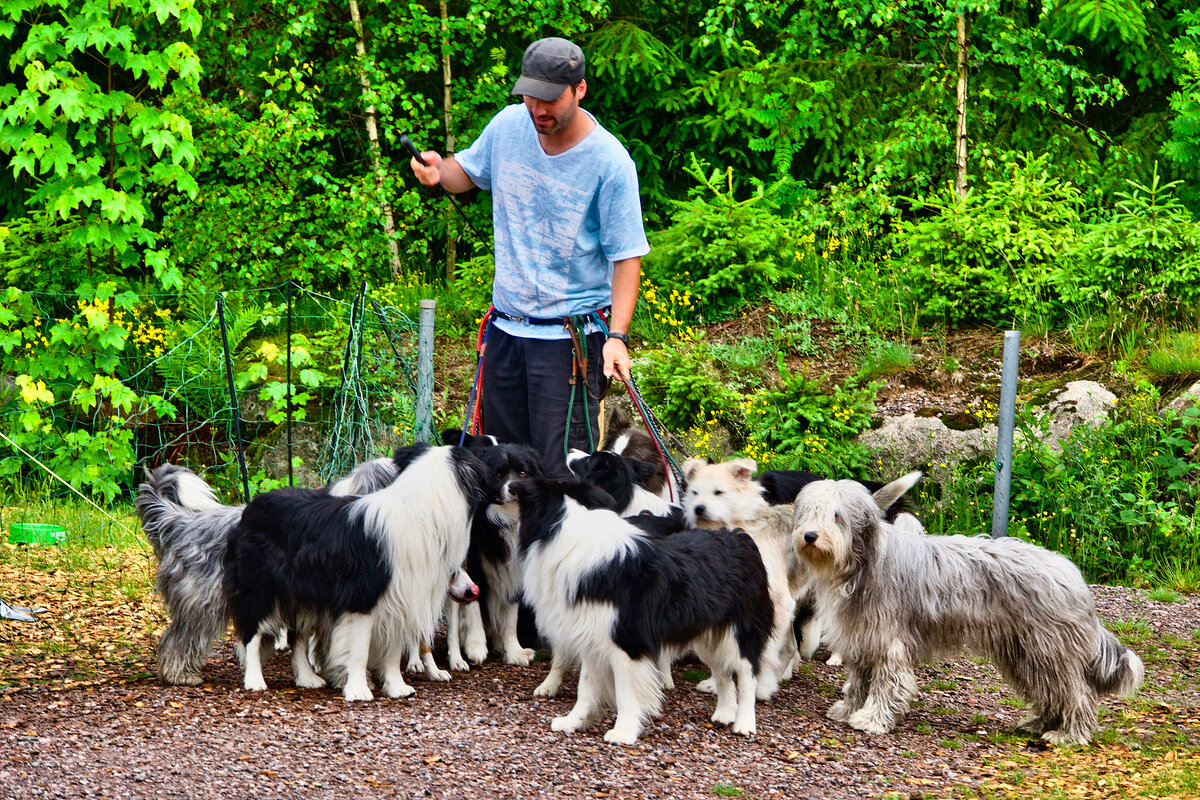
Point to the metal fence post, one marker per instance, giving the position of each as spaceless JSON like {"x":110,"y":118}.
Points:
{"x":424,"y":420}
{"x":1004,"y":439}
{"x":234,"y":408}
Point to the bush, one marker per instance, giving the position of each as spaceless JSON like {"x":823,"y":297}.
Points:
{"x":1145,"y":258}
{"x":725,"y":250}
{"x":989,"y":257}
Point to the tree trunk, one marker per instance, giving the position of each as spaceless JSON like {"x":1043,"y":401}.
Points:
{"x":448,"y":117}
{"x":389,"y":221}
{"x":960,"y":132}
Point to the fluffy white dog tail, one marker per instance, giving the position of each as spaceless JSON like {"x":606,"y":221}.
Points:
{"x":1116,"y":669}
{"x":888,"y":495}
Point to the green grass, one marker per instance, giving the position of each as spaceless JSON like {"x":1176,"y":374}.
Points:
{"x":886,"y":358}
{"x":1177,"y":358}
{"x":1164,"y":594}
{"x":727,"y":790}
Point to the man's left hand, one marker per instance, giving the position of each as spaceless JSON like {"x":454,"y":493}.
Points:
{"x":616,"y":360}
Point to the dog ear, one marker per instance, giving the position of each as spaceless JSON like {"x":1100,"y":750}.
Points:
{"x":743,"y":469}
{"x":642,"y":470}
{"x":691,"y":465}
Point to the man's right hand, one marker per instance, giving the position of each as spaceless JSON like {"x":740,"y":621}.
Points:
{"x":428,"y":173}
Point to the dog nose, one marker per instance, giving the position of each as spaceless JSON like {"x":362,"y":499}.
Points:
{"x":698,"y":511}
{"x":810,"y":537}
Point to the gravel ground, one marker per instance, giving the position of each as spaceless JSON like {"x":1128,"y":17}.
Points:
{"x":482,"y":735}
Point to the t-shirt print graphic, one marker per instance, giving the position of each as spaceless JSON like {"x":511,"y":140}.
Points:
{"x":544,"y":215}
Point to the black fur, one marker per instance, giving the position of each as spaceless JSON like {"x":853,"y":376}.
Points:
{"x":782,"y":486}
{"x":302,"y":549}
{"x":670,"y":589}
{"x":614,"y":473}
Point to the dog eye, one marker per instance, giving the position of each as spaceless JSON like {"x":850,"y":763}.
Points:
{"x":522,"y":474}
{"x":718,"y":492}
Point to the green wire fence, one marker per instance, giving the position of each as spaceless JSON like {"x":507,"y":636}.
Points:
{"x":250,"y":388}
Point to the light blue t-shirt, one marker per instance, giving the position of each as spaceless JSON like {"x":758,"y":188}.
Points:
{"x":560,"y":221}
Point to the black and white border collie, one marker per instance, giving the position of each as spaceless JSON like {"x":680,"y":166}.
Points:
{"x":375,"y":568}
{"x":610,"y":595}
{"x":189,"y":529}
{"x":625,"y":478}
{"x":493,"y":556}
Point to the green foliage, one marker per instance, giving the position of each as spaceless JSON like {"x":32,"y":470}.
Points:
{"x":799,"y":424}
{"x":727,"y":250}
{"x":683,"y":386}
{"x":1183,"y":148}
{"x":1177,"y":359}
{"x":1119,"y":498}
{"x":68,"y":403}
{"x":990,"y":256}
{"x":1145,"y":257}
{"x":87,"y":128}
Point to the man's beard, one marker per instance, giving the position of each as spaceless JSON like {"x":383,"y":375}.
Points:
{"x":559,"y":122}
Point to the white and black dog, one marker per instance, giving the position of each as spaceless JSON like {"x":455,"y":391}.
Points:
{"x":373,"y":567}
{"x":627,"y":479}
{"x":189,"y":527}
{"x":621,"y":437}
{"x":493,"y":556}
{"x":890,"y":600}
{"x":610,"y":596}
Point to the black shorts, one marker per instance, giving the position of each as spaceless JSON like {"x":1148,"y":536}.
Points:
{"x":525,"y":393}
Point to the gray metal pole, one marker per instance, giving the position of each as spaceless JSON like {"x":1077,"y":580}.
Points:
{"x":424,"y":421}
{"x":1004,"y":440}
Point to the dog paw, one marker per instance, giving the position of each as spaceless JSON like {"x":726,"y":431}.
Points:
{"x":255,"y":685}
{"x":398,"y":690}
{"x":668,"y":681}
{"x":357,"y":692}
{"x":440,"y":675}
{"x":839,"y":711}
{"x":865,"y":722}
{"x":765,"y":691}
{"x":834,"y":660}
{"x":745,"y":729}
{"x":459,"y":664}
{"x":1063,"y":737}
{"x":547,"y":688}
{"x":1033,"y":724}
{"x":310,"y":682}
{"x":708,"y":686}
{"x":414,"y":667}
{"x":566,"y":724}
{"x":476,"y":654}
{"x":520,"y":658}
{"x":621,"y":736}
{"x":724,"y":716}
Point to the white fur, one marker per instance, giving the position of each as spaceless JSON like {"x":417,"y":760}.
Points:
{"x":726,"y":495}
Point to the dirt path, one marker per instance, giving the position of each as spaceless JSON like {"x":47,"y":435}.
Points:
{"x":482,"y":735}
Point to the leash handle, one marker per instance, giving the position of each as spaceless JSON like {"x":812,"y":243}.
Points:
{"x":407,"y":144}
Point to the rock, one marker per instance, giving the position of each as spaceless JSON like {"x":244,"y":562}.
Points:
{"x":1186,"y":399}
{"x":1080,"y":403}
{"x":912,"y":442}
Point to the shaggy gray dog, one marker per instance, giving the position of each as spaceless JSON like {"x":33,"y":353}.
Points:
{"x":188,"y":528}
{"x":891,"y":599}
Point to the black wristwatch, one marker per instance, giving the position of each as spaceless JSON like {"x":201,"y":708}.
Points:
{"x":624,"y":337}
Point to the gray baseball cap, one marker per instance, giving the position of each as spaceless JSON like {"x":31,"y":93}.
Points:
{"x":548,"y":68}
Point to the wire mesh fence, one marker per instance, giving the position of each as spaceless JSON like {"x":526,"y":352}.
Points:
{"x":252,"y":389}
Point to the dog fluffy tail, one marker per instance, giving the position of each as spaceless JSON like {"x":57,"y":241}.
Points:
{"x":155,"y":511}
{"x":887,"y":496}
{"x":1116,"y":669}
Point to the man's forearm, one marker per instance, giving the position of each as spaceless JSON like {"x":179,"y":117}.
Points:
{"x":627,"y":276}
{"x":453,"y":176}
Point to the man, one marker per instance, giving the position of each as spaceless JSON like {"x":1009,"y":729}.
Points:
{"x":569,"y":243}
